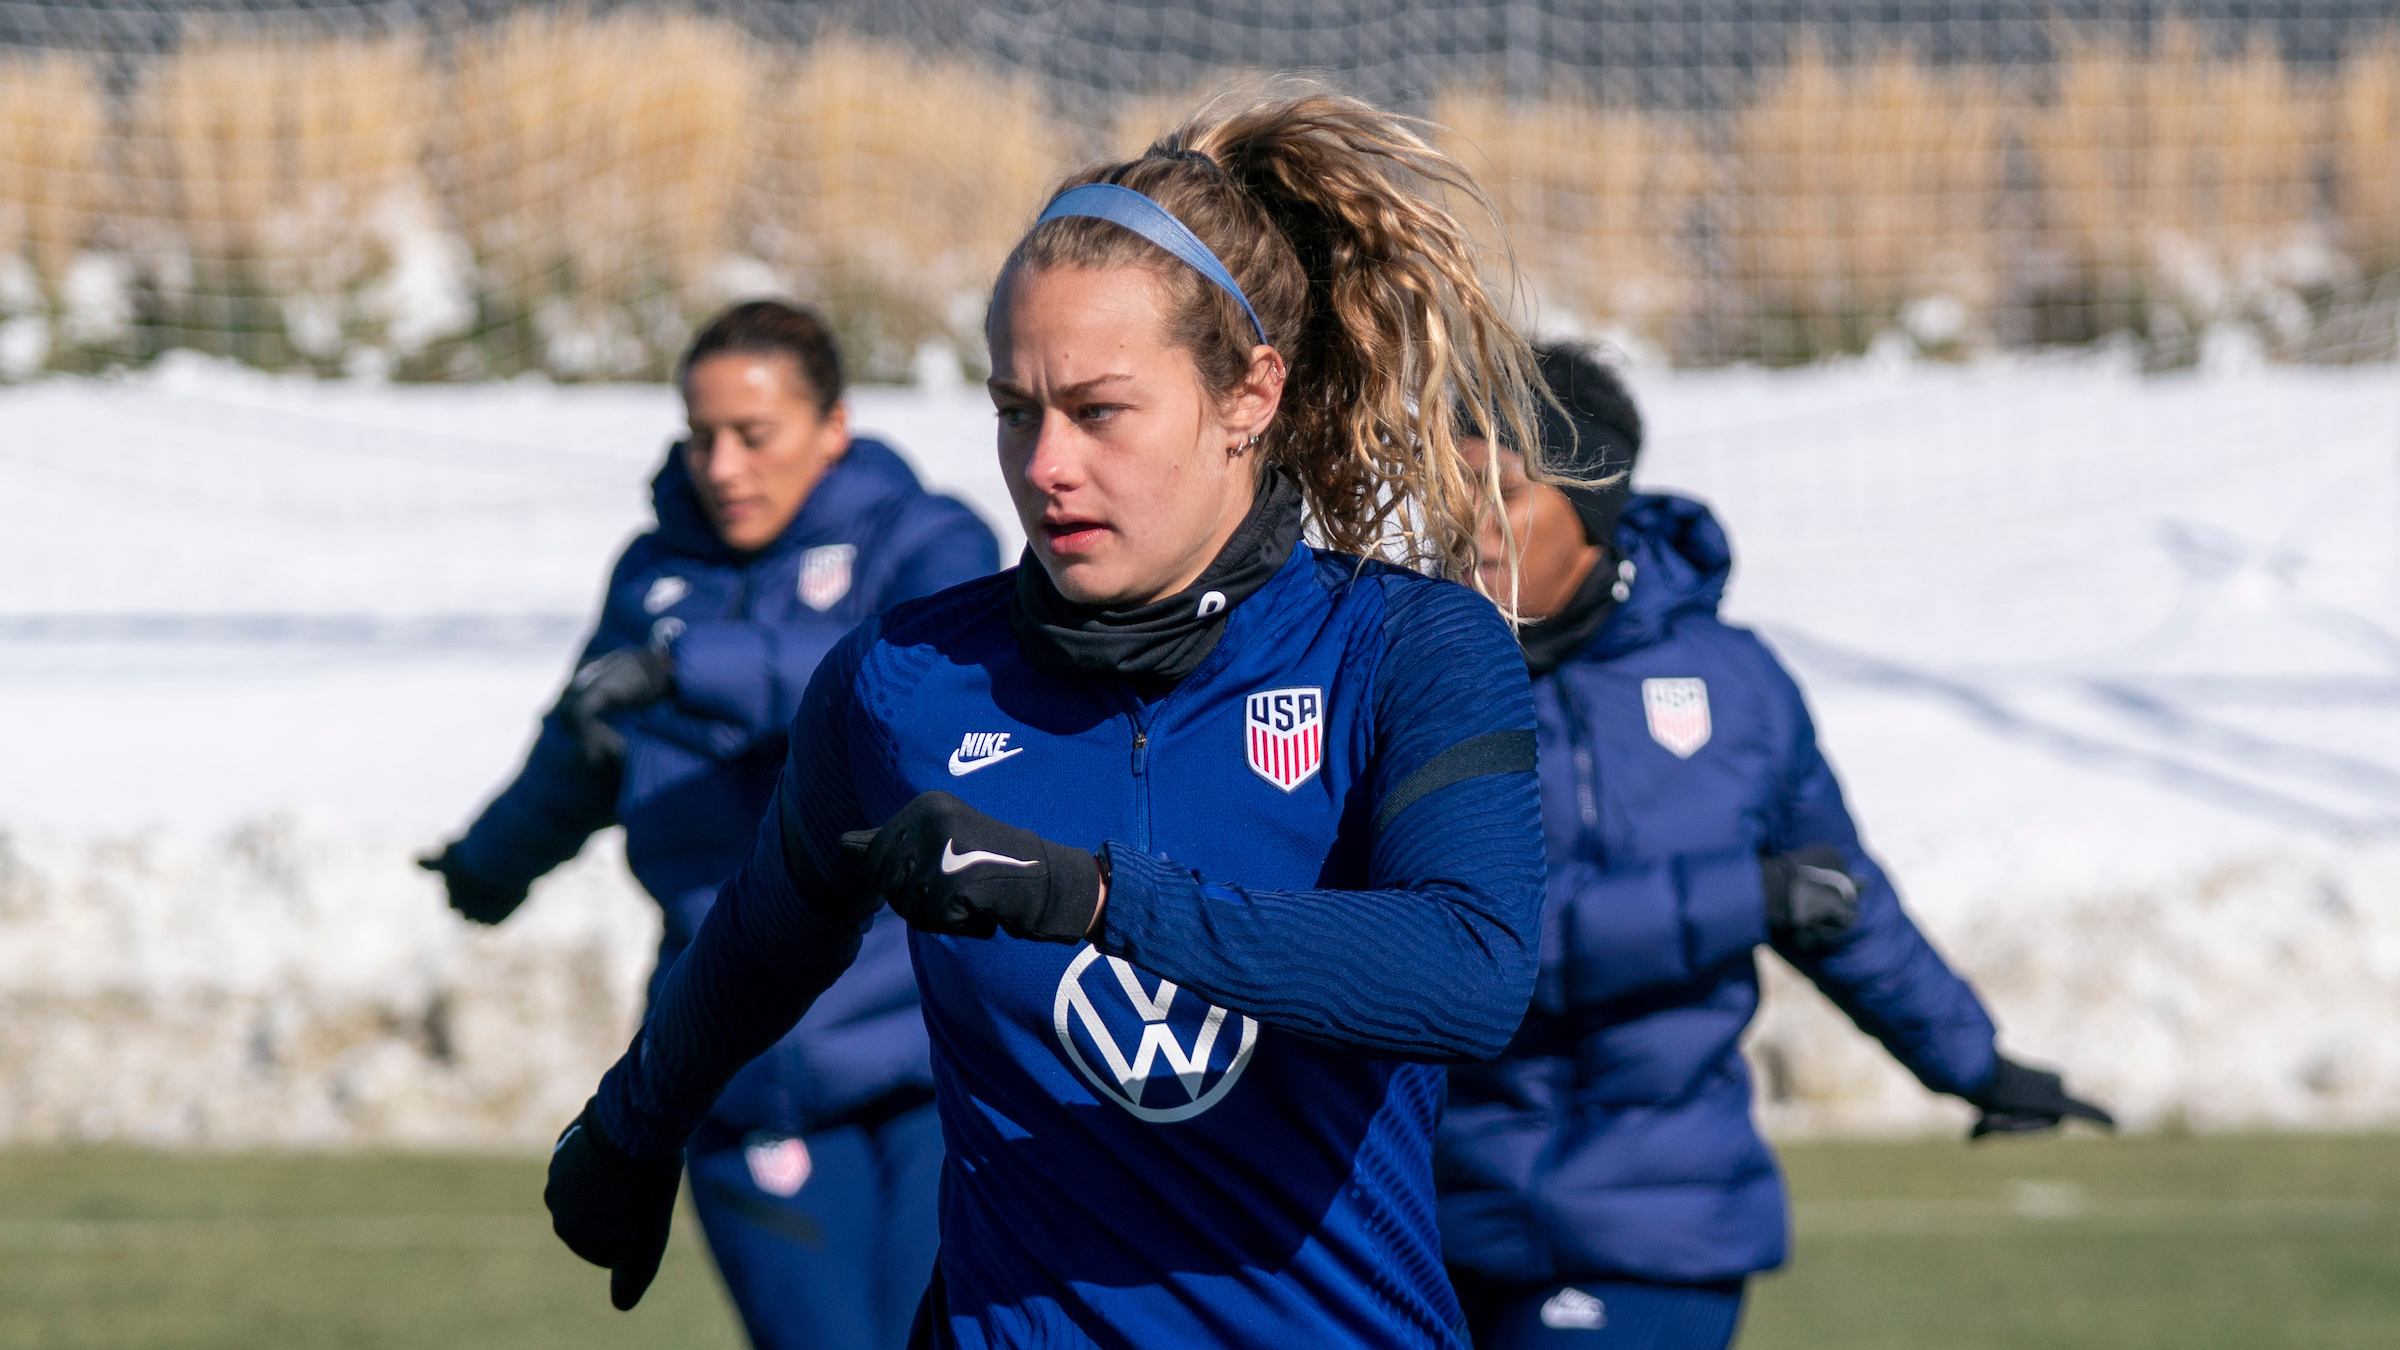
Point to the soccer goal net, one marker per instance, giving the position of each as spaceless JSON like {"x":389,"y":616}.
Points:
{"x":459,"y":189}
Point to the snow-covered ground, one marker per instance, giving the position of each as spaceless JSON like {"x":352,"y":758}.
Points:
{"x":2111,"y":665}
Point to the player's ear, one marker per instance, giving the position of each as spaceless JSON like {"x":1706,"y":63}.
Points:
{"x":1260,"y":393}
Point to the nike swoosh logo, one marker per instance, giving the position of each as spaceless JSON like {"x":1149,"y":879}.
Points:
{"x":955,"y":861}
{"x":960,"y":768}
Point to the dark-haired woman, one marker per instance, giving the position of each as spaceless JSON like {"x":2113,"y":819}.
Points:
{"x":1215,"y":846}
{"x":1602,"y":1184}
{"x":778,"y":531}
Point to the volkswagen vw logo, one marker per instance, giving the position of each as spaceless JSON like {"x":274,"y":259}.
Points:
{"x":1186,"y":1037}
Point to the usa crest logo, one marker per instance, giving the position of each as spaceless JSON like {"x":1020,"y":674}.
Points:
{"x":1283,"y":733}
{"x":1102,"y":1004}
{"x":1678,"y":711}
{"x":825,"y":575}
{"x":777,"y":1166}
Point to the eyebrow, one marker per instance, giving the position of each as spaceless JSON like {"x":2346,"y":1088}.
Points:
{"x":1077,"y":390}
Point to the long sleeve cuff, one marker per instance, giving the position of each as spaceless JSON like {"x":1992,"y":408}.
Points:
{"x":1394,"y":973}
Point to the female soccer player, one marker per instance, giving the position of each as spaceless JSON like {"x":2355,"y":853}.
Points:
{"x":1602,"y":1184}
{"x":815,"y":1176}
{"x":1214,"y":845}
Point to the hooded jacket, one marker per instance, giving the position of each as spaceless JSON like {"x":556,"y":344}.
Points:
{"x":1614,"y":1137}
{"x":745,"y":632}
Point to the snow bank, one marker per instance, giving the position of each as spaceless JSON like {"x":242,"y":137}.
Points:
{"x":286,"y":984}
{"x":2256,"y":992}
{"x":289,"y":984}
{"x":2109,"y":665}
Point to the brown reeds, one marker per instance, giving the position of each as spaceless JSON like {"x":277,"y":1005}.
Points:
{"x":2367,"y":179}
{"x":894,"y":186}
{"x":1861,"y":189}
{"x":1598,"y":200}
{"x":53,"y":131}
{"x":258,"y":169}
{"x":594,"y":165}
{"x":614,"y":177}
{"x":2179,"y":184}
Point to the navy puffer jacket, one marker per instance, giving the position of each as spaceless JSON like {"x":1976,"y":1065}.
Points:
{"x":1614,"y":1137}
{"x":745,"y":632}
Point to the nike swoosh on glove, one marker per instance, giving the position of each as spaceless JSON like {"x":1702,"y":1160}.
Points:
{"x":2018,"y":1099}
{"x":610,"y":1209}
{"x":630,"y":677}
{"x":948,"y":868}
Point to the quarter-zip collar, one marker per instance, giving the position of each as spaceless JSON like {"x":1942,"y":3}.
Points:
{"x":1548,"y":643}
{"x":1158,"y":643}
{"x":1681,"y":562}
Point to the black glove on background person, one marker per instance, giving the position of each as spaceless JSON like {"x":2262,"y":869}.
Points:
{"x":610,"y":1209}
{"x":1811,"y":900}
{"x":476,"y":900}
{"x":948,"y":868}
{"x":630,"y":677}
{"x":2020,"y":1100}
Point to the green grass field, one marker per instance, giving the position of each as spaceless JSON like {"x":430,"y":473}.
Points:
{"x":2169,"y":1242}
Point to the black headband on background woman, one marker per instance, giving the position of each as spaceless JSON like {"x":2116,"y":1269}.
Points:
{"x":1598,"y":434}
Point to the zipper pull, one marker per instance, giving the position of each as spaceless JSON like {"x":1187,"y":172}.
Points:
{"x":1587,"y":795}
{"x":1141,"y":751}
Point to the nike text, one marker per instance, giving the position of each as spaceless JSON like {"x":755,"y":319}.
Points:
{"x":981,"y":749}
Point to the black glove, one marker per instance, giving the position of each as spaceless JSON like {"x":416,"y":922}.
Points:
{"x":2020,"y":1100}
{"x":476,"y":900}
{"x":948,"y":868}
{"x":610,"y":1209}
{"x":1811,"y":900}
{"x":629,"y":677}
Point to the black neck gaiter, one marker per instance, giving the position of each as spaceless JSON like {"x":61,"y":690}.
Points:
{"x":1552,"y":642}
{"x":1165,"y":640}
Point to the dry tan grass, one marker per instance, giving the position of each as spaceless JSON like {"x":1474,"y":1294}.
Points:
{"x":2087,"y":148}
{"x":53,"y":137}
{"x":2367,"y":178}
{"x":597,"y":162}
{"x":205,"y":148}
{"x":603,"y":169}
{"x":1860,"y":189}
{"x":1596,"y":201}
{"x":2171,"y":175}
{"x":235,"y":139}
{"x":258,"y":167}
{"x":1141,"y":119}
{"x":893,"y":186}
{"x":2264,"y":130}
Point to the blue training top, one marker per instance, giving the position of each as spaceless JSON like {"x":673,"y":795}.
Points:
{"x":1213,"y":1126}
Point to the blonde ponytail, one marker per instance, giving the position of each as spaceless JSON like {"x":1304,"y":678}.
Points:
{"x":1335,"y":218}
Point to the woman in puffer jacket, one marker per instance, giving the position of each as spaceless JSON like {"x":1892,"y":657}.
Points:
{"x":1601,"y":1183}
{"x":778,"y":531}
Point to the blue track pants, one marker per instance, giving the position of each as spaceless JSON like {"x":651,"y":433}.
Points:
{"x":1603,"y":1315}
{"x":840,"y":1262}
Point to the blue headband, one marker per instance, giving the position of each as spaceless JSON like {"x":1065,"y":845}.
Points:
{"x":1126,"y":207}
